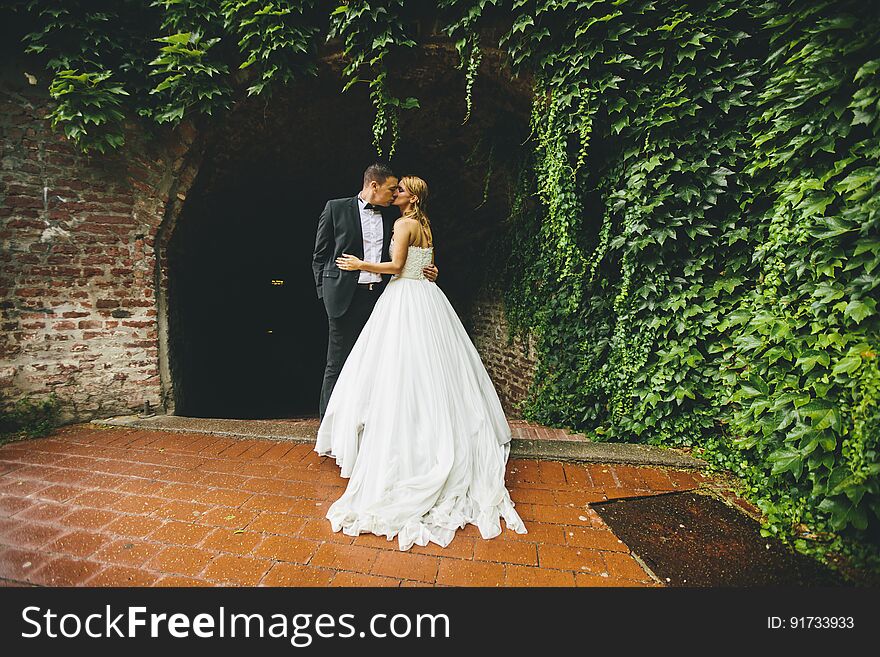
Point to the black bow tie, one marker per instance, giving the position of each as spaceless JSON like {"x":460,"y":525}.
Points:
{"x":370,"y":206}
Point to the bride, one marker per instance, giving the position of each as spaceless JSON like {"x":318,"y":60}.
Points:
{"x":414,"y":421}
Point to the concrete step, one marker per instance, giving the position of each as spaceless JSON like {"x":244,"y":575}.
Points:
{"x":530,"y":440}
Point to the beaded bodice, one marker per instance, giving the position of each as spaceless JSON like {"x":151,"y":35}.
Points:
{"x":417,"y":257}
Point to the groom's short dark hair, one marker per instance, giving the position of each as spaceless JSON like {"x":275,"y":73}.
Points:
{"x":378,"y":171}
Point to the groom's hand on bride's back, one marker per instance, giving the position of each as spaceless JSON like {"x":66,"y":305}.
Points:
{"x":430,"y":272}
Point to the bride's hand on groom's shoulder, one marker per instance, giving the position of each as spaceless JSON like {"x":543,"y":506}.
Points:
{"x":431,"y":272}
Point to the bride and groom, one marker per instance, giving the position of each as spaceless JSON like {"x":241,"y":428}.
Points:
{"x":407,"y":408}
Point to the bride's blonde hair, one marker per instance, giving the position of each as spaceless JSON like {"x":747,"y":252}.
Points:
{"x":418,"y":187}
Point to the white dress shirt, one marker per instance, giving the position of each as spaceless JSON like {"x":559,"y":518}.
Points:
{"x":372,"y":228}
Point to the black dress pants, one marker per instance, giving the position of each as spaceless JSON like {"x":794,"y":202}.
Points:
{"x":344,"y":332}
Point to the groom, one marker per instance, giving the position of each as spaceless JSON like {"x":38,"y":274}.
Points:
{"x":360,"y":225}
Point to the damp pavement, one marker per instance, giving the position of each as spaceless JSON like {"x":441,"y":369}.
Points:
{"x":123,"y":505}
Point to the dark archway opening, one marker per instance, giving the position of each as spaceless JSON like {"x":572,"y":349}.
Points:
{"x":248,"y":335}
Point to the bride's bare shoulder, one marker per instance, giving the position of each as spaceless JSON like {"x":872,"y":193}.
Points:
{"x":406,"y":224}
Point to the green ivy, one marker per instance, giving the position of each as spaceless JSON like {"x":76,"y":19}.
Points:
{"x":370,"y":30}
{"x":84,"y":99}
{"x":277,"y":38}
{"x":729,"y":288}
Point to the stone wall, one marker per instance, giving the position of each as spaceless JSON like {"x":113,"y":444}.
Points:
{"x":79,"y":309}
{"x":509,"y":362}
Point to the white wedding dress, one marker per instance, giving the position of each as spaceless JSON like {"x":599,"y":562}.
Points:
{"x":415,"y":423}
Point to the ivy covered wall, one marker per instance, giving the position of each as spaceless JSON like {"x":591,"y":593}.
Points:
{"x":694,"y":239}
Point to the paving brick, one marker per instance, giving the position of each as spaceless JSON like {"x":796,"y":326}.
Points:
{"x":306,"y":490}
{"x":58,"y":493}
{"x":359,"y":579}
{"x":577,"y":475}
{"x":571,"y":558}
{"x":135,"y":526}
{"x":319,"y":529}
{"x":579,"y":497}
{"x":459,"y":572}
{"x":184,"y":511}
{"x":603,"y":476}
{"x":232,"y":541}
{"x":65,"y":571}
{"x":287,"y":549}
{"x":257,"y":469}
{"x":222,"y":497}
{"x":530,"y":576}
{"x":225,"y":480}
{"x":596,"y":539}
{"x":8,"y":524}
{"x":551,"y":472}
{"x":345,"y":557}
{"x":242,"y":571}
{"x":78,"y":543}
{"x":605,"y":580}
{"x":22,"y":487}
{"x":17,"y":564}
{"x":631,"y":477}
{"x":181,"y":560}
{"x":95,"y":499}
{"x":461,"y":547}
{"x":174,"y":532}
{"x":122,"y":576}
{"x":103,"y":481}
{"x":182,"y":476}
{"x":533,"y":496}
{"x":656,"y":479}
{"x":309,"y":508}
{"x":29,"y":534}
{"x":623,"y":565}
{"x":127,"y":552}
{"x":538,"y":532}
{"x":43,"y":512}
{"x":498,"y":550}
{"x":226,"y":517}
{"x":278,"y":523}
{"x":551,"y":514}
{"x":372,"y":540}
{"x":682,"y":479}
{"x":182,"y":492}
{"x":402,"y":565}
{"x":288,"y":574}
{"x":88,"y":518}
{"x":277,"y":503}
{"x":10,"y":504}
{"x":137,"y":504}
{"x":180,"y":581}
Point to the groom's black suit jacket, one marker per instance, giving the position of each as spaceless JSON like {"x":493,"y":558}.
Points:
{"x":339,"y":231}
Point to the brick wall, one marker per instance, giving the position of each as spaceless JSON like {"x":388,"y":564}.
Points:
{"x":79,"y":311}
{"x":510,"y":363}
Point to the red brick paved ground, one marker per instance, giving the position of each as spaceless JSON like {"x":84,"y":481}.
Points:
{"x":127,"y":507}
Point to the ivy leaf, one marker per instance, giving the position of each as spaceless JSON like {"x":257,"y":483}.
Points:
{"x":809,"y":358}
{"x":787,"y":460}
{"x":847,"y":365}
{"x":858,"y":309}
